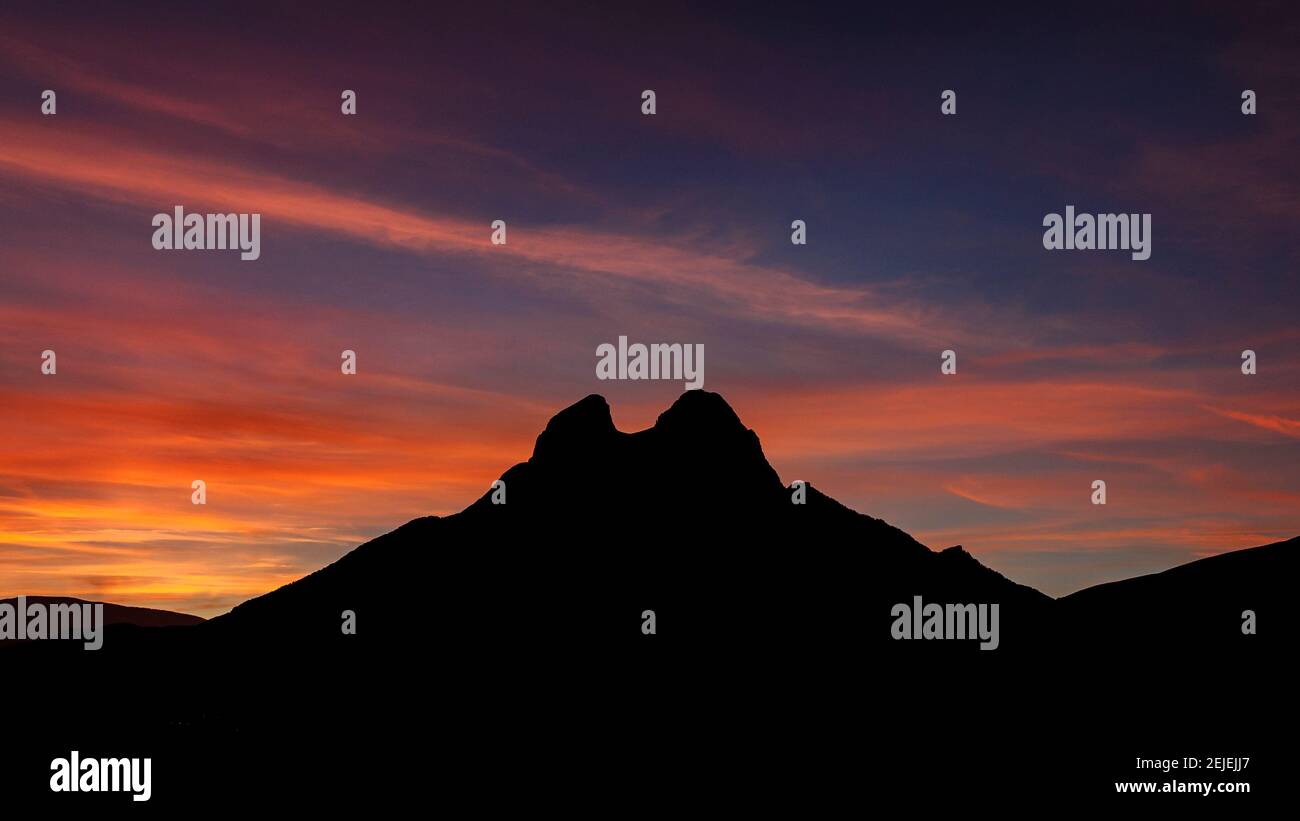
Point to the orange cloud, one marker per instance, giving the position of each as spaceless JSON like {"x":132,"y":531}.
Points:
{"x":1277,"y":424}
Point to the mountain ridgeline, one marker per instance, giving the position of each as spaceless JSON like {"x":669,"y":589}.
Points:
{"x":688,"y":519}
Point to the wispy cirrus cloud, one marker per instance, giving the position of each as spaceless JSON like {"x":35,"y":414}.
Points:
{"x":1277,"y":424}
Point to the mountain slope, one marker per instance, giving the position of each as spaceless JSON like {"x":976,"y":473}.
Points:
{"x":117,"y":614}
{"x":1194,"y":606}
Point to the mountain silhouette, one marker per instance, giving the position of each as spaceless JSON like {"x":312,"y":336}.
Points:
{"x":686,"y":518}
{"x":690,"y":513}
{"x":1198,"y":605}
{"x":117,"y":614}
{"x":508,"y":633}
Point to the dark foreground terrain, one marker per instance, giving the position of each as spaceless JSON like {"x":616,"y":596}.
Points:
{"x":499,"y":661}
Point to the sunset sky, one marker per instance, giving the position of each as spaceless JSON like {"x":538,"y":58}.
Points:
{"x":924,"y":234}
